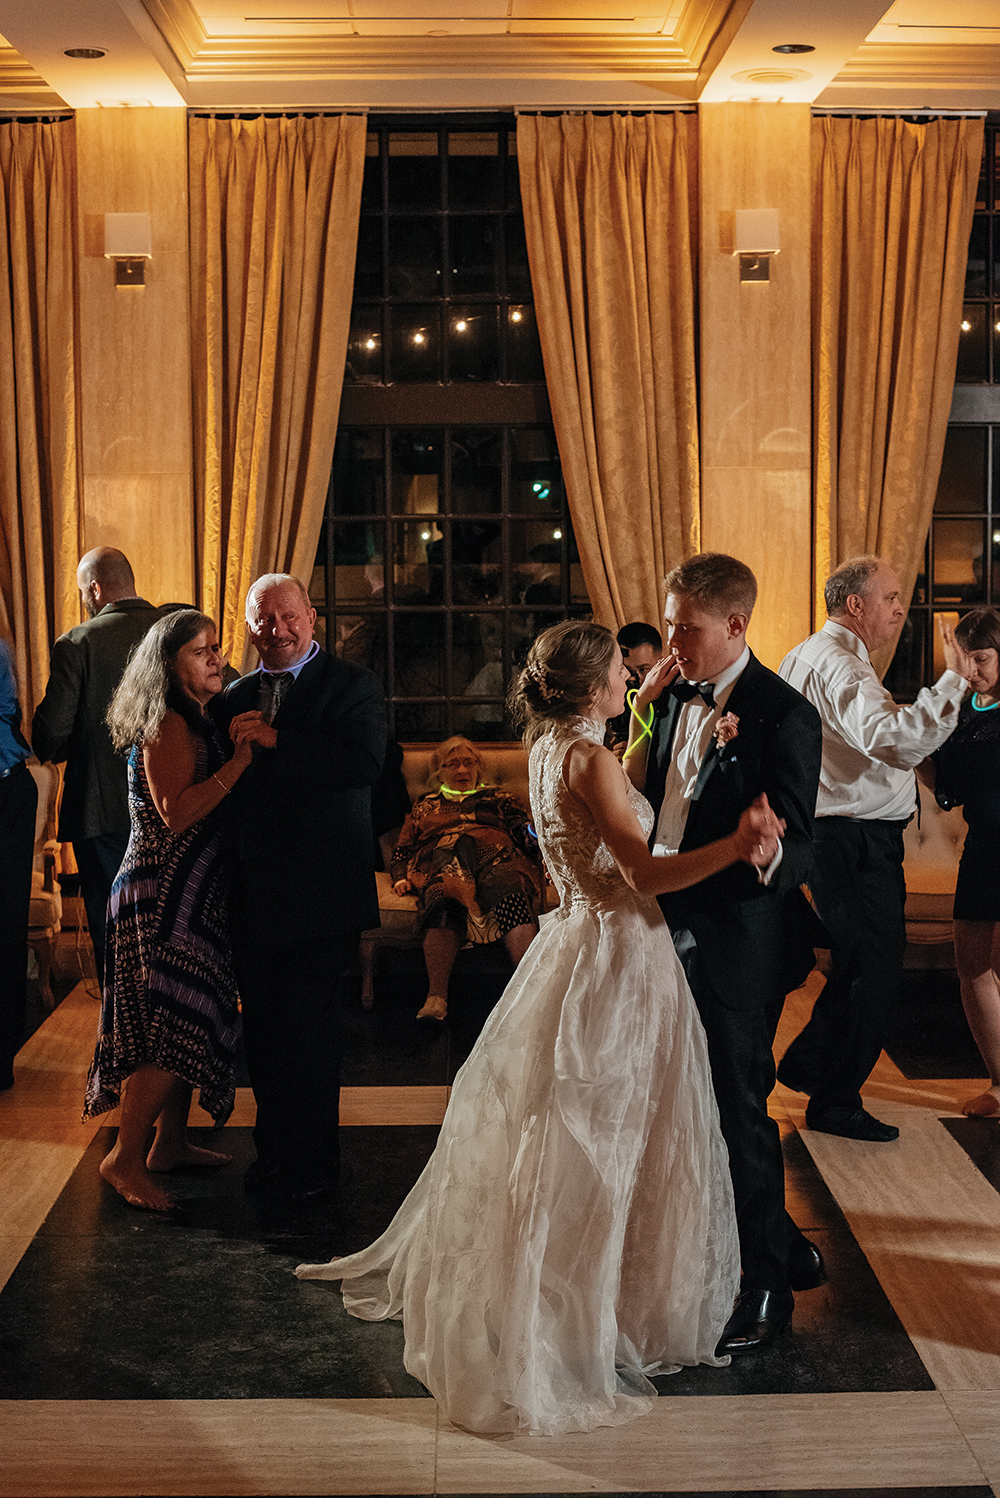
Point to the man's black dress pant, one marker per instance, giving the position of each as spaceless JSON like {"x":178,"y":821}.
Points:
{"x":859,"y":892}
{"x":18,"y":801}
{"x":294,"y":1040}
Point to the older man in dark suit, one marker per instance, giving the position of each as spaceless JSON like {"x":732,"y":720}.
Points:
{"x":69,"y":724}
{"x":725,"y":730}
{"x":304,"y":883}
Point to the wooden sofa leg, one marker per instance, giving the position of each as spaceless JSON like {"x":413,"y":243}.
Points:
{"x":366,"y":949}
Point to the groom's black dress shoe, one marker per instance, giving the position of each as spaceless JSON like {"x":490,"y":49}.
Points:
{"x":759,"y":1317}
{"x":854,"y":1124}
{"x":806,"y":1270}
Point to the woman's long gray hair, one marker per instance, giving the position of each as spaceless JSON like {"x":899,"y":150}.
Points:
{"x":140,"y":703}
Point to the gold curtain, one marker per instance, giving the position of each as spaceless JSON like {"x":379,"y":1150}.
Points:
{"x":610,"y":218}
{"x":275,"y":205}
{"x":40,"y":515}
{"x":893,"y":213}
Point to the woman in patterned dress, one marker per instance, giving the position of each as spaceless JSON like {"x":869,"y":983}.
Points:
{"x":466,"y":853}
{"x":169,"y":1018}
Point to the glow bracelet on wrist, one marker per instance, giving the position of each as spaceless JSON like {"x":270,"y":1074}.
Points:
{"x":645,"y":723}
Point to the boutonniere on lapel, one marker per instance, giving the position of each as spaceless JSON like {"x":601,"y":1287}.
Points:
{"x":726,"y":730}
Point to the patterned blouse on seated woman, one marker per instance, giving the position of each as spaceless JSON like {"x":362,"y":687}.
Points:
{"x":467,"y":852}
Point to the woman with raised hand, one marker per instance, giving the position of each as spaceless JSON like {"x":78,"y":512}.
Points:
{"x":965,"y":772}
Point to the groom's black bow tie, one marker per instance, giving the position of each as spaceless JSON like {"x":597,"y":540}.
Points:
{"x":685,"y":690}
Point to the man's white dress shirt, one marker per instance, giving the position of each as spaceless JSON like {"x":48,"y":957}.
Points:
{"x":871,"y":744}
{"x":696,"y":722}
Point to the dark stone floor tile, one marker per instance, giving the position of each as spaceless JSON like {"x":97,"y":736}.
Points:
{"x":980,"y":1138}
{"x":808,"y":1198}
{"x":928,"y":1035}
{"x":845,"y":1338}
{"x":111,"y":1303}
{"x":388,"y":1048}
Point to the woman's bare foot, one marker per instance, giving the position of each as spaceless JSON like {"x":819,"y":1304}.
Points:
{"x":435,"y":1007}
{"x":136,"y":1186}
{"x":986,"y":1105}
{"x":166,"y":1158}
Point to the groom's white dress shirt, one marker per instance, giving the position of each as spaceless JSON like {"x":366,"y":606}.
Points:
{"x":871,"y":744}
{"x":696,"y":722}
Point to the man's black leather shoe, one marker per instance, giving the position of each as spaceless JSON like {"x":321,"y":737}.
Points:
{"x":855,"y":1125}
{"x":759,"y":1317}
{"x":806,"y":1270}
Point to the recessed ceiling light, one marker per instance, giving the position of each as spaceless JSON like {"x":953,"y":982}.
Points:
{"x":794,"y":47}
{"x":772,"y":76}
{"x":85,"y":52}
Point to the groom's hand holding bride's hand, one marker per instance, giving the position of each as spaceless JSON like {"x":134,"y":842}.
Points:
{"x":759,"y":833}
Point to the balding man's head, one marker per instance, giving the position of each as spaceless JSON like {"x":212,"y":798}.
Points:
{"x":280,"y":620}
{"x":104,"y":576}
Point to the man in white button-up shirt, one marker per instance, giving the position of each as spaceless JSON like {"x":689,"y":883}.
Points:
{"x":867,"y":794}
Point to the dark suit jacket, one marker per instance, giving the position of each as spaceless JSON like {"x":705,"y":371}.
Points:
{"x":754,"y":940}
{"x":85,"y":667}
{"x":304,"y":864}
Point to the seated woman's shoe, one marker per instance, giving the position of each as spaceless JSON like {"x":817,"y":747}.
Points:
{"x":435,"y":1008}
{"x":986,"y":1105}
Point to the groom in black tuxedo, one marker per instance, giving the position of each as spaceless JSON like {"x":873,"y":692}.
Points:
{"x":725,"y":730}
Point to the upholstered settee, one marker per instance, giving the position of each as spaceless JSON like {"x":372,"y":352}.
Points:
{"x":933,"y":848}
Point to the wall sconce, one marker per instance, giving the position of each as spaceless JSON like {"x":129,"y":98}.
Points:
{"x":756,"y":239}
{"x":128,"y":241}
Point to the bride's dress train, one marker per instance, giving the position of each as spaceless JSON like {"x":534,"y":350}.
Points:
{"x":574,"y":1229}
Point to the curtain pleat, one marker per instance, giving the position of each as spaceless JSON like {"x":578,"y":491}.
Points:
{"x":275,"y":205}
{"x":893,"y":213}
{"x":40,"y":511}
{"x":610,"y":220}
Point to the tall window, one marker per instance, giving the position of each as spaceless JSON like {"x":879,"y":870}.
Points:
{"x":447,"y":544}
{"x":962,"y":555}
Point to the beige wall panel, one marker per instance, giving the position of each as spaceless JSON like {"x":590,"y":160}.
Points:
{"x":755,"y":363}
{"x":149,"y":517}
{"x":136,"y":364}
{"x":763,"y":517}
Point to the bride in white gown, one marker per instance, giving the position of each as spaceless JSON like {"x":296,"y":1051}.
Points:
{"x":573,"y":1231}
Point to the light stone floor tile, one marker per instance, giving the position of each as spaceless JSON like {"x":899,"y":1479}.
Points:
{"x":929,"y":1224}
{"x":103,"y":1449}
{"x":977,"y":1415}
{"x":750,"y":1443}
{"x":360,"y":1106}
{"x":12,"y":1249}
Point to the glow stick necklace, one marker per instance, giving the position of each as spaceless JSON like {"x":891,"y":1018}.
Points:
{"x":645,"y":723}
{"x":447,"y":791}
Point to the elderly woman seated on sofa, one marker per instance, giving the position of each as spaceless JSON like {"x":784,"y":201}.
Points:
{"x":467,"y":854}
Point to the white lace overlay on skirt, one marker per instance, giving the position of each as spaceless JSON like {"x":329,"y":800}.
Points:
{"x":574,"y":1228}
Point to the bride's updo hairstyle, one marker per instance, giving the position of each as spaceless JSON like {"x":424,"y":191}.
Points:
{"x":567,"y":665}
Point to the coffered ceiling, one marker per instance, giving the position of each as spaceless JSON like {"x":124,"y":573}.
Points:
{"x":498,"y":54}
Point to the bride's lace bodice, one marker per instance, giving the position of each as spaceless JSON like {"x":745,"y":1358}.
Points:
{"x":579,"y":862}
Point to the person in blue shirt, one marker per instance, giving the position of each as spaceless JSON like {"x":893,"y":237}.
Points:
{"x":18,"y":802}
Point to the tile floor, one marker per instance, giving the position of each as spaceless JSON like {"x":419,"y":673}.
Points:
{"x":140,"y":1356}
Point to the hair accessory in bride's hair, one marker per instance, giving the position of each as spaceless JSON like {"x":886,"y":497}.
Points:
{"x":539,"y":676}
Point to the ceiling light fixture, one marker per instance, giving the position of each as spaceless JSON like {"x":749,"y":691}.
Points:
{"x":86,"y":52}
{"x":794,"y":47}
